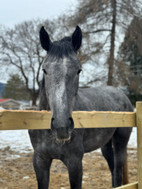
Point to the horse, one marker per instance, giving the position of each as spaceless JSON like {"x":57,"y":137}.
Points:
{"x":60,"y":93}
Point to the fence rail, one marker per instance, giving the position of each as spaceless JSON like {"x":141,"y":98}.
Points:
{"x":129,"y":186}
{"x":16,"y":119}
{"x":19,"y":119}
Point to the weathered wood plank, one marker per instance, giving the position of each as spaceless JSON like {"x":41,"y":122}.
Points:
{"x":104,"y":119}
{"x":129,"y":186}
{"x":14,"y":120}
{"x":139,"y":141}
{"x":19,"y":119}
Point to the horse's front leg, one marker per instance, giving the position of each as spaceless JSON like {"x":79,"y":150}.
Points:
{"x":74,"y":166}
{"x":42,"y":169}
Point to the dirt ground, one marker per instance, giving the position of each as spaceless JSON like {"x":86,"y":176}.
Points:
{"x":17,"y":172}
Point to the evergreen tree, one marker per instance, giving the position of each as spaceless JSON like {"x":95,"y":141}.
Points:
{"x":15,"y":88}
{"x":130,"y":60}
{"x":103,"y":22}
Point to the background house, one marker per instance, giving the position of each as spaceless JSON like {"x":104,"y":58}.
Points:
{"x":9,"y":104}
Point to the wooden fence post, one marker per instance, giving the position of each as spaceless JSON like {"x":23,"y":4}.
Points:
{"x":139,"y":141}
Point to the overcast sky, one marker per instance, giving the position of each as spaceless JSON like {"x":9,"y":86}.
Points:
{"x":15,"y":11}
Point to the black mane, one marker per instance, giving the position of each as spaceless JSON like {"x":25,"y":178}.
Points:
{"x":61,"y":48}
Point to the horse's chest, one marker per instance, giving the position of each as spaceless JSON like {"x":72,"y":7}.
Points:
{"x":52,"y":149}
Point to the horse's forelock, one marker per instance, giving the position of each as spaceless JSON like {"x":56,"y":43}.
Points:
{"x":61,"y":48}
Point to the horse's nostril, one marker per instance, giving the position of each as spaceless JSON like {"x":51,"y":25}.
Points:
{"x":52,"y":123}
{"x":71,"y":126}
{"x":71,"y":120}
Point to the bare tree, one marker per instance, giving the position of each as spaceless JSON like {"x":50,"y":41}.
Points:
{"x":21,"y":53}
{"x":103,"y":21}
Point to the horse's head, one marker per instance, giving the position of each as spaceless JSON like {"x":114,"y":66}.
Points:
{"x":61,"y":75}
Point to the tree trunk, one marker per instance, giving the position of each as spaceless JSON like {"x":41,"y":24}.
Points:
{"x":34,"y":96}
{"x":112,"y":45}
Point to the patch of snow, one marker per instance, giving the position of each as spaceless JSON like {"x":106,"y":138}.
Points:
{"x":17,"y":140}
{"x":133,"y":139}
{"x":85,"y":176}
{"x":26,"y":177}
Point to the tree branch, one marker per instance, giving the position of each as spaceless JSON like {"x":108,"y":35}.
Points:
{"x":99,"y":30}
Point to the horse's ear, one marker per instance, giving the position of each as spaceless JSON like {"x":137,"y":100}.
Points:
{"x":44,"y":39}
{"x":77,"y":38}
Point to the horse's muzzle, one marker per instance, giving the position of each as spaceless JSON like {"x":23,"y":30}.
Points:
{"x":62,"y":129}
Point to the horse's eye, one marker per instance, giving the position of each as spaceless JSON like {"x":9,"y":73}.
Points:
{"x":44,"y":71}
{"x":79,"y":71}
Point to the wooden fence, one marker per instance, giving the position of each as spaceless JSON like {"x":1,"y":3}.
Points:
{"x":15,"y":120}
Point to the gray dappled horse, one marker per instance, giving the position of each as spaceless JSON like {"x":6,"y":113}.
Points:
{"x":61,"y":95}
